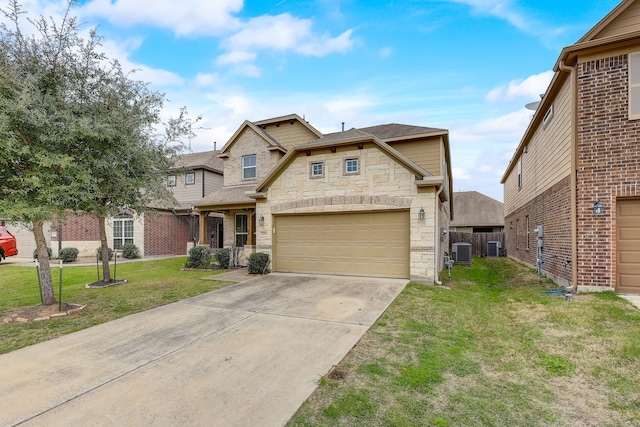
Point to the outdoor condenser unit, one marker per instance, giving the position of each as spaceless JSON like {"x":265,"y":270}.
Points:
{"x":493,"y":249}
{"x":462,"y":253}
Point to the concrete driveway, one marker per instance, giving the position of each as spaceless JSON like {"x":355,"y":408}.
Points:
{"x":245,"y":355}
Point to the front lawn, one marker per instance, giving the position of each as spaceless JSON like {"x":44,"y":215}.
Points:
{"x":495,"y":349}
{"x":150,"y":284}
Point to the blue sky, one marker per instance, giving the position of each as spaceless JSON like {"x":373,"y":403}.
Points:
{"x":468,"y":66}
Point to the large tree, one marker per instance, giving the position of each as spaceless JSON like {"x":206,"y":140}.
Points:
{"x":76,"y":133}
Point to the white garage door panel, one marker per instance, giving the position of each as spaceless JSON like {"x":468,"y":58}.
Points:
{"x":364,"y":243}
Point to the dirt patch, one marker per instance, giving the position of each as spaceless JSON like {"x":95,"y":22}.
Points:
{"x":40,"y":312}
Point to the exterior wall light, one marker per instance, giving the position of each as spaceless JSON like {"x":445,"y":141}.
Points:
{"x":261,"y":220}
{"x":421,"y":214}
{"x":598,"y":209}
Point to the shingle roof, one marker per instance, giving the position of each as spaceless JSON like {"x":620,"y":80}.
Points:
{"x":228,"y":196}
{"x":474,"y":209}
{"x":396,"y":130}
{"x":203,"y":160}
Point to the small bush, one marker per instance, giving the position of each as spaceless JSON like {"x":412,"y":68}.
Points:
{"x":68,"y":254}
{"x":199,"y":257}
{"x":99,"y":252}
{"x":35,"y":253}
{"x":130,"y":251}
{"x":223,"y":256}
{"x":257,"y":263}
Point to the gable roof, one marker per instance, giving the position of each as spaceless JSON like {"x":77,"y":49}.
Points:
{"x":602,"y":25}
{"x":288,"y":118}
{"x":474,"y":209}
{"x":273,"y":144}
{"x":350,"y":137}
{"x":396,"y":131}
{"x":207,"y":160}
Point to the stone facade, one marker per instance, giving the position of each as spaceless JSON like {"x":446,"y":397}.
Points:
{"x":247,"y":143}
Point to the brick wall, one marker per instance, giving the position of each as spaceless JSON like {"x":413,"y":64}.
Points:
{"x":80,"y":228}
{"x":166,"y":234}
{"x":608,"y":158}
{"x":552,"y":210}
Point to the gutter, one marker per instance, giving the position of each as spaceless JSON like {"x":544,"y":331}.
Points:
{"x":436,"y":235}
{"x":574,"y":171}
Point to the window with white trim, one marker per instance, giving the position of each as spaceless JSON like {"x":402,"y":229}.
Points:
{"x":249,"y":167}
{"x":122,"y":231}
{"x":171,"y":181}
{"x":634,"y":86}
{"x":351,"y":166}
{"x":190,"y":179}
{"x":520,"y":173}
{"x":547,"y":117}
{"x":317,"y":169}
{"x":242,"y":229}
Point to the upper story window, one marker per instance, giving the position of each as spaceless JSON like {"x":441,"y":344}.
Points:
{"x":520,"y":173}
{"x":171,"y":181}
{"x":351,"y":166}
{"x":547,"y":117}
{"x":317,"y":169}
{"x":634,"y":86}
{"x":190,"y":179}
{"x":249,"y":167}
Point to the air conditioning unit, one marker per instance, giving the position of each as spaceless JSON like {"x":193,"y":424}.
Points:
{"x":462,"y":253}
{"x":493,"y":249}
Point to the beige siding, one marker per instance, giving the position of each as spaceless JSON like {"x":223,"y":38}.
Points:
{"x":548,"y":160}
{"x":426,"y":153}
{"x":289,"y":135}
{"x":627,"y":22}
{"x":188,"y":193}
{"x":248,"y":142}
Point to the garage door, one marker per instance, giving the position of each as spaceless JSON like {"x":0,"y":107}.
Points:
{"x":628,"y":246}
{"x":356,"y":244}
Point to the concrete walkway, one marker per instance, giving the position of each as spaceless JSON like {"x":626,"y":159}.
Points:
{"x":245,"y":355}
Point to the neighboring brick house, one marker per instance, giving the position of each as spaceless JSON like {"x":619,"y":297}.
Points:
{"x":373,"y":201}
{"x":168,"y":229}
{"x":477,"y":213}
{"x":575,"y":171}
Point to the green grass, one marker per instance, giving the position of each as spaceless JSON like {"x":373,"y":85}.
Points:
{"x":495,"y":349}
{"x":150,"y":284}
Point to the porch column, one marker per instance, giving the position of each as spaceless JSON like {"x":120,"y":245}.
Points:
{"x":204,"y":240}
{"x":251,"y":227}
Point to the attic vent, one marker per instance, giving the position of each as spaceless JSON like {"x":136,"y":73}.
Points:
{"x":462,"y":253}
{"x":493,"y":249}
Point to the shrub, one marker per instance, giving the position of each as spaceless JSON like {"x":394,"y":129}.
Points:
{"x":257,"y":263}
{"x":223,"y":256}
{"x":199,"y":257}
{"x":35,"y":253}
{"x":99,"y":253}
{"x":130,"y":251}
{"x":69,"y":254}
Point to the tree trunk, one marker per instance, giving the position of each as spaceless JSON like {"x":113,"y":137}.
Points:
{"x":46,"y":282}
{"x":106,"y":273}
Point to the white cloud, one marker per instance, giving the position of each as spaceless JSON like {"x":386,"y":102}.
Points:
{"x":348,"y":104}
{"x":460,"y":173}
{"x":280,"y":33}
{"x":205,"y":79}
{"x":236,"y":57}
{"x":530,"y":88}
{"x":188,"y":17}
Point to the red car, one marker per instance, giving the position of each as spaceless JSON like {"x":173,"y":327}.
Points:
{"x":7,"y":244}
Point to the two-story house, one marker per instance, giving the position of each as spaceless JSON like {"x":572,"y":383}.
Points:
{"x":169,"y":228}
{"x":374,"y":201}
{"x":571,"y":194}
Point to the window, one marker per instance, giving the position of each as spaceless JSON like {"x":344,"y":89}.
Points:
{"x":249,"y":167}
{"x":526,"y":223}
{"x":122,"y":231}
{"x":191,"y":178}
{"x":351,"y":167}
{"x":634,"y":86}
{"x":171,"y":181}
{"x":517,"y":234}
{"x":520,"y":173}
{"x":547,"y":117}
{"x":242,"y":230}
{"x":317,"y":170}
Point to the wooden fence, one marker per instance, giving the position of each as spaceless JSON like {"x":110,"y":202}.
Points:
{"x":478,"y":241}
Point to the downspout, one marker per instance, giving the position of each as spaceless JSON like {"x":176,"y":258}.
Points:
{"x":574,"y":171}
{"x":436,"y":235}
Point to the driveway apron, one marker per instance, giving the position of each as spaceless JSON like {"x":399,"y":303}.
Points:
{"x":245,"y":355}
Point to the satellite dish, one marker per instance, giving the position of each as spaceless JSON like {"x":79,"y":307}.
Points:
{"x":533,"y":106}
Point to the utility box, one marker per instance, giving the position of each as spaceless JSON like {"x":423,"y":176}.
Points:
{"x":462,"y":253}
{"x":493,"y":249}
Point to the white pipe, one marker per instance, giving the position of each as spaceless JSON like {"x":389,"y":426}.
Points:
{"x":436,"y":271}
